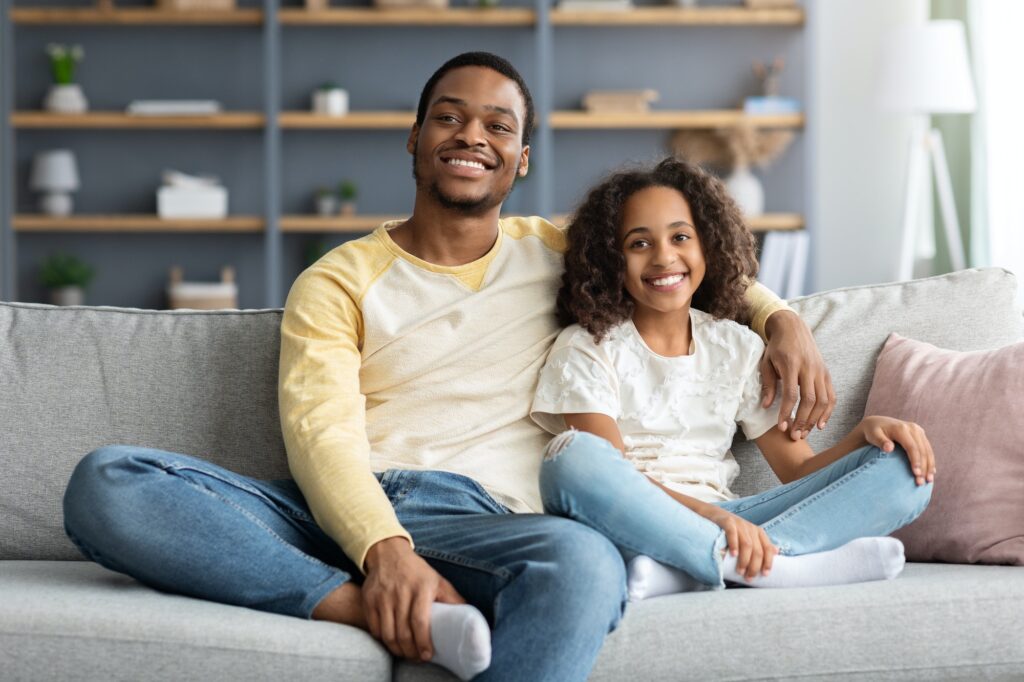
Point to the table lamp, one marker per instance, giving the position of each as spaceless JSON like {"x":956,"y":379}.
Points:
{"x":924,"y":71}
{"x":55,"y":173}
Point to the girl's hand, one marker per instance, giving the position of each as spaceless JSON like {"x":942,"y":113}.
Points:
{"x":747,"y":542}
{"x":883,"y":432}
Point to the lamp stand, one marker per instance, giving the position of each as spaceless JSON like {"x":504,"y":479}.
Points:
{"x":926,"y":149}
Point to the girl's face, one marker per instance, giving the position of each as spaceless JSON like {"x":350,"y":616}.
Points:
{"x":664,"y":258}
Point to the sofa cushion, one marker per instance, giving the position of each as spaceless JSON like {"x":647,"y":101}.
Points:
{"x":933,"y":622}
{"x":966,"y":310}
{"x":201,"y":383}
{"x":106,"y":626}
{"x":970,"y":406}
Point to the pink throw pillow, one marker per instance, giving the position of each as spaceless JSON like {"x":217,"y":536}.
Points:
{"x":971,"y":405}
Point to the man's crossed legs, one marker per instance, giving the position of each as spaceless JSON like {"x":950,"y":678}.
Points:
{"x":551,"y":588}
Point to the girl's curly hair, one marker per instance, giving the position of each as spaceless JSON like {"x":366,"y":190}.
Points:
{"x":593,"y":292}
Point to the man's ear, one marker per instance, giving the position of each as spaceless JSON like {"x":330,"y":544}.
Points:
{"x":414,"y":134}
{"x":524,"y":161}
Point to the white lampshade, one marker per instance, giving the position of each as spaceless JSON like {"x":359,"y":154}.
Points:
{"x":55,"y":171}
{"x":924,"y":69}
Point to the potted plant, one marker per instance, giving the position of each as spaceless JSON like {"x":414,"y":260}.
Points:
{"x":66,"y":277}
{"x":65,"y":95}
{"x":326,"y":202}
{"x":347,"y":192}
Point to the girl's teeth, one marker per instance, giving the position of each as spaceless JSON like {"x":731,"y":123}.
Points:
{"x":666,"y":281}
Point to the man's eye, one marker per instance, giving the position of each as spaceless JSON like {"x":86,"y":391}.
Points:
{"x":446,"y":117}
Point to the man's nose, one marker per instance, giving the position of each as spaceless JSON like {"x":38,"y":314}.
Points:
{"x":471,"y":132}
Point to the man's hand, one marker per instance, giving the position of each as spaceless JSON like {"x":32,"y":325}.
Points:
{"x":397,"y":594}
{"x":882,"y":432}
{"x":747,"y":542}
{"x":792,"y":356}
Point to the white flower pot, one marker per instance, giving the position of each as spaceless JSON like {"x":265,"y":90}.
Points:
{"x":67,"y":296}
{"x":332,"y":102}
{"x":66,"y":99}
{"x":746,"y":191}
{"x":327,"y":205}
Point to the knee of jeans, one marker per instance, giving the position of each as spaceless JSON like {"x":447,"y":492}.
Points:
{"x":88,"y":491}
{"x":912,"y":498}
{"x":573,"y":459}
{"x":587,"y":571}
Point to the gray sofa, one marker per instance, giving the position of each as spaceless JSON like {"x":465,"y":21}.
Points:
{"x":72,"y":379}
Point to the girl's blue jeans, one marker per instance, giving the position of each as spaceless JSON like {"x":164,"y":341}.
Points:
{"x":551,"y":588}
{"x":865,"y":493}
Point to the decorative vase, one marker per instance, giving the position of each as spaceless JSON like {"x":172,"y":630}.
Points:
{"x":348,"y":208}
{"x":66,"y":99}
{"x":746,"y":191}
{"x":67,"y":296}
{"x":331,"y":102}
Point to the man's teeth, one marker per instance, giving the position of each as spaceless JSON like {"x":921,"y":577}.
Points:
{"x":667,"y":281}
{"x":463,"y":162}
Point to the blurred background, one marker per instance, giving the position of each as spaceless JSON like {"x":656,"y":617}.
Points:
{"x":204,"y":152}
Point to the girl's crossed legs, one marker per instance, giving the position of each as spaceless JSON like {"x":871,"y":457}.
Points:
{"x":866,"y":493}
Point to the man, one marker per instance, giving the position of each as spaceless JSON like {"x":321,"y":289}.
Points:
{"x":408,"y":363}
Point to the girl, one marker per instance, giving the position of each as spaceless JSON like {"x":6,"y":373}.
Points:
{"x":651,"y":379}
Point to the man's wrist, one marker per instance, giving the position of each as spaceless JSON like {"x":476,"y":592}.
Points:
{"x":380,"y":550}
{"x":778,"y":320}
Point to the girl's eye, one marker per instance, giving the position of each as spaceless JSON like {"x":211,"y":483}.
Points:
{"x":681,"y":237}
{"x":638,"y":244}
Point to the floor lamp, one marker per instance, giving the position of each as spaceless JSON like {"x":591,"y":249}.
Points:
{"x":925,"y":71}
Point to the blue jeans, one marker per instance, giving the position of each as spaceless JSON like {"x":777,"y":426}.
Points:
{"x":551,"y":588}
{"x":865,"y":493}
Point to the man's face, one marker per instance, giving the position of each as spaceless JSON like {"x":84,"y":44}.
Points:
{"x":469,"y":150}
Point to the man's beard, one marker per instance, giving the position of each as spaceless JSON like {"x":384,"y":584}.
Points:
{"x":465,"y":206}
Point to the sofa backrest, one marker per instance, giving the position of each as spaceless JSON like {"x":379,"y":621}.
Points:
{"x":966,"y":310}
{"x":204,"y":383}
{"x":74,"y":379}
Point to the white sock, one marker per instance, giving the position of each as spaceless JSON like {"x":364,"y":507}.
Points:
{"x":461,"y":639}
{"x":860,"y":560}
{"x":646,"y":579}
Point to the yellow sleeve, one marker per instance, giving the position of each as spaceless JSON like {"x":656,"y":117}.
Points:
{"x":761,"y":303}
{"x":323,"y":414}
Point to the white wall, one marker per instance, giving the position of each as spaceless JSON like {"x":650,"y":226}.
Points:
{"x":858,"y":153}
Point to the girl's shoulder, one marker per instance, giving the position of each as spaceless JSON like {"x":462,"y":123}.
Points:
{"x":576,"y":336}
{"x":727,"y":335}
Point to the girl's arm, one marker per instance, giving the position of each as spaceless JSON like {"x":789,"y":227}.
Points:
{"x":791,"y":460}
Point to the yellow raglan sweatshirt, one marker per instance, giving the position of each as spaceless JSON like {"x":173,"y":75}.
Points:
{"x":388,"y":361}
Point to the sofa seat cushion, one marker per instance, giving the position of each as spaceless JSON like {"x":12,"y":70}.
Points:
{"x":934,"y":622}
{"x":64,"y":620}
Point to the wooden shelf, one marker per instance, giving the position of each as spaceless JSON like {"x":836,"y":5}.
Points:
{"x":413,"y":16}
{"x":680,"y":16}
{"x":116,"y":119}
{"x":383,"y":120}
{"x":769,"y":222}
{"x":365,"y":223}
{"x":711,"y":118}
{"x":134,"y":16}
{"x":342,"y":224}
{"x":134,"y":223}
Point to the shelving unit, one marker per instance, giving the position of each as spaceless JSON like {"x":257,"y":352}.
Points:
{"x":276,"y":124}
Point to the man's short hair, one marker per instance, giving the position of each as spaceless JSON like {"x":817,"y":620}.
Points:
{"x":486,"y":60}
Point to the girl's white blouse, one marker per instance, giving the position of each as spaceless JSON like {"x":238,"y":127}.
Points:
{"x":677,"y":415}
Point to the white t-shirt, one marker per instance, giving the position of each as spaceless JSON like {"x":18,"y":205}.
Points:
{"x":677,"y":415}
